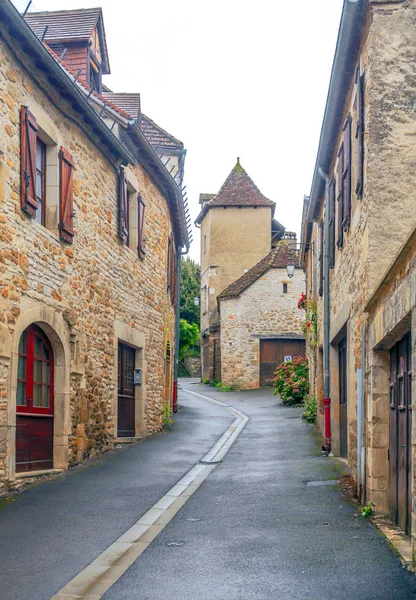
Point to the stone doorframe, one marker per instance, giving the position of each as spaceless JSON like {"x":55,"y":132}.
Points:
{"x":130,"y":336}
{"x":53,"y":324}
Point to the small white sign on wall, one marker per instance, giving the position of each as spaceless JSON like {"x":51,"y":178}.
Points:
{"x":288,"y":359}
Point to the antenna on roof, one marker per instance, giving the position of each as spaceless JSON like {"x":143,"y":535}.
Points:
{"x":45,"y":32}
{"x":27,"y":8}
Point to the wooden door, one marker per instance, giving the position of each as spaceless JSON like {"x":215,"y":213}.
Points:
{"x":126,"y":415}
{"x":343,"y":397}
{"x":400,"y":427}
{"x":273,"y":353}
{"x":34,"y":402}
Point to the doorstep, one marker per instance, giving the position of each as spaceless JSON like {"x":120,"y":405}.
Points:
{"x":38,"y":473}
{"x":397,"y":538}
{"x":128,"y":440}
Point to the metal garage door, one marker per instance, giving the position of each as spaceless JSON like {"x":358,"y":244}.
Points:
{"x":273,"y":353}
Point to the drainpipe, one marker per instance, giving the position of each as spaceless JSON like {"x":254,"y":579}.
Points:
{"x":360,"y":421}
{"x":327,"y":387}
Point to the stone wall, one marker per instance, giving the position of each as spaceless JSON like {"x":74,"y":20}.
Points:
{"x":90,"y":285}
{"x":261,"y":310}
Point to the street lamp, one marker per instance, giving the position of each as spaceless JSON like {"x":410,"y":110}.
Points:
{"x":290,"y":268}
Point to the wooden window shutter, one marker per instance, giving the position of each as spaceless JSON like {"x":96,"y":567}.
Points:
{"x":340,"y":195}
{"x":141,"y":212}
{"x":169,"y":274}
{"x":359,"y":133}
{"x":66,"y":205}
{"x":123,"y":207}
{"x":332,"y":223}
{"x":321,"y":258}
{"x":346,"y":176}
{"x":28,"y":135}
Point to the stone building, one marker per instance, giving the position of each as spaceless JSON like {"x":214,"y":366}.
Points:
{"x":239,"y":235}
{"x":91,"y":223}
{"x":367,"y":150}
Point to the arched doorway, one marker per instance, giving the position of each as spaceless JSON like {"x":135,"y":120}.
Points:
{"x":34,"y":401}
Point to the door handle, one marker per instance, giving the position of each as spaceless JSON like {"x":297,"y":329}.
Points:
{"x":403,"y":445}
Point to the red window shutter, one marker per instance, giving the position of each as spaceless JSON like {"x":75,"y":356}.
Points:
{"x":28,"y":135}
{"x":141,"y":211}
{"x":123,"y":207}
{"x":332,"y":223}
{"x":321,"y":258}
{"x":66,"y":204}
{"x":359,"y":133}
{"x":346,"y":176}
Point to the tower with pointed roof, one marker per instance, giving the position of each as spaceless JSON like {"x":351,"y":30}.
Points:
{"x":238,"y":229}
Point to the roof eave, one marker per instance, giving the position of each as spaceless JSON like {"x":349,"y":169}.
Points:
{"x":348,"y":44}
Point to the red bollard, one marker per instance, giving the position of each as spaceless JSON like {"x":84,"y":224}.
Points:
{"x":175,"y":397}
{"x":327,"y":421}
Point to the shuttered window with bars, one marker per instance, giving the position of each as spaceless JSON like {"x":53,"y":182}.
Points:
{"x":332,"y":215}
{"x":123,"y":207}
{"x":359,"y":133}
{"x":346,"y":175}
{"x":340,"y":198}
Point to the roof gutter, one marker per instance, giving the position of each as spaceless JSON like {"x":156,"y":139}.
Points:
{"x":19,"y":24}
{"x":348,"y":45}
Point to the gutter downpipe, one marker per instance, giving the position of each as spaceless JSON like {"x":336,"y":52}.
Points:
{"x":327,"y":383}
{"x":177,"y":332}
{"x":360,"y":420}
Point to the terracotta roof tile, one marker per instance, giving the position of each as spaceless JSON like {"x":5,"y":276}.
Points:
{"x":278,"y":258}
{"x":158,"y":137}
{"x":238,"y":190}
{"x":129,"y":103}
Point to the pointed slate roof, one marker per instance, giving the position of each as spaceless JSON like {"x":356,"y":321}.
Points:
{"x":238,"y":190}
{"x":278,"y":258}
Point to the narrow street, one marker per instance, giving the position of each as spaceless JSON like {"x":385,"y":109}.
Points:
{"x":255,"y":528}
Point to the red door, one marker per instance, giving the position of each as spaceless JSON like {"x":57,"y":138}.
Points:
{"x":34,"y":402}
{"x":126,"y":410}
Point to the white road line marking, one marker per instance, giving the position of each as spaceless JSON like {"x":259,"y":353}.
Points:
{"x":96,"y":579}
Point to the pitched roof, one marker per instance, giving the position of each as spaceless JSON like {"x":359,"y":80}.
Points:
{"x":238,"y":190}
{"x":158,"y":137}
{"x":128,"y":103}
{"x":278,"y":258}
{"x":205,"y":198}
{"x":69,"y":26}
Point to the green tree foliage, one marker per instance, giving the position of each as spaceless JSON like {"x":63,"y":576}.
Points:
{"x":190,"y":289}
{"x":189,"y":337}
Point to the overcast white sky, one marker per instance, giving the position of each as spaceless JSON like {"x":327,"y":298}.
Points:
{"x":229,"y":78}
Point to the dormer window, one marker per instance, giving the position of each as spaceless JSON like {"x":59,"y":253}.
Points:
{"x":95,"y":76}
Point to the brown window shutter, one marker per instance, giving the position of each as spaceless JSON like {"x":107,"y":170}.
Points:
{"x":332,"y":223}
{"x":346,"y":176}
{"x":28,"y":135}
{"x":141,"y":211}
{"x":321,"y":258}
{"x":359,"y":133}
{"x":66,"y":203}
{"x":340,"y":196}
{"x":123,"y":207}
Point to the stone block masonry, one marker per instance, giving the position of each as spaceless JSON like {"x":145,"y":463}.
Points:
{"x":77,"y":292}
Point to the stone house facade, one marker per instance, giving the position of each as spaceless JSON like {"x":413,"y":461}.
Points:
{"x":259,"y":313}
{"x":238,"y":233}
{"x":91,"y":223}
{"x":367,"y":152}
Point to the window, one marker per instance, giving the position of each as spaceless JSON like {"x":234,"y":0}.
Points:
{"x":359,"y":132}
{"x":346,"y":174}
{"x":285,"y":288}
{"x":95,"y":77}
{"x":123,"y":208}
{"x":205,"y":243}
{"x":141,"y":226}
{"x":332,"y":224}
{"x":340,"y":198}
{"x":40,"y":180}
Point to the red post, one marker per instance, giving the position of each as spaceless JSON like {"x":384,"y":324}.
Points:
{"x":175,"y":397}
{"x":327,"y":421}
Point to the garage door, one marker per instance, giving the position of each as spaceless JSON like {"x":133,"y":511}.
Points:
{"x":273,"y":353}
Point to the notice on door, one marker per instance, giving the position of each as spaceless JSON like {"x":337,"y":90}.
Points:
{"x":288,"y":359}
